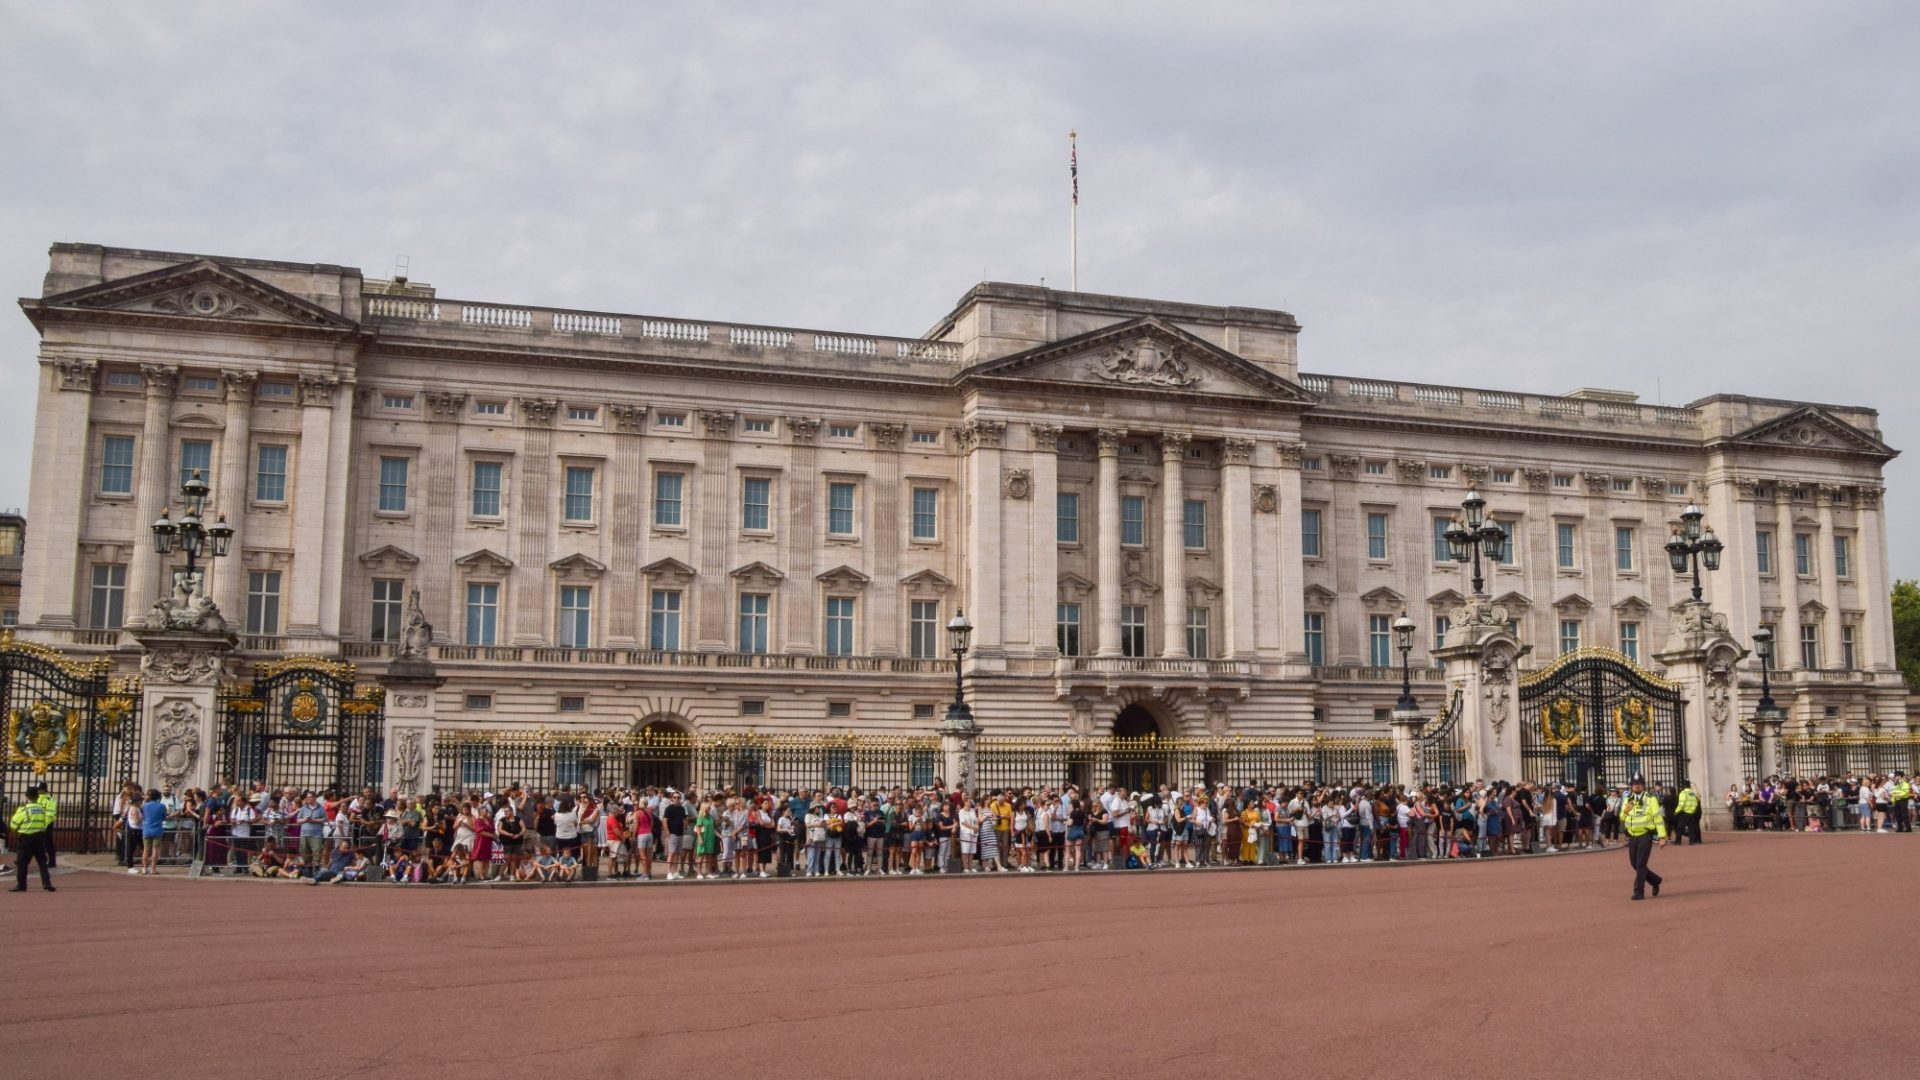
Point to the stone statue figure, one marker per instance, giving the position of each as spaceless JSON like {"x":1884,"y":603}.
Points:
{"x":188,"y":607}
{"x":417,"y":635}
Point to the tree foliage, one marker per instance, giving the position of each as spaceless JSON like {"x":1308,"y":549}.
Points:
{"x":1906,"y":630}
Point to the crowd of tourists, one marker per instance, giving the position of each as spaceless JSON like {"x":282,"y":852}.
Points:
{"x":1875,"y":803}
{"x":526,"y":835}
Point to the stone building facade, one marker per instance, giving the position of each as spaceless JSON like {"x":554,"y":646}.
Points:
{"x":1153,"y":518}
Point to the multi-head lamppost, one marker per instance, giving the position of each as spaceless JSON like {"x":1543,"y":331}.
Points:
{"x":1691,"y":543}
{"x":1466,"y":538}
{"x":192,"y":536}
{"x":1406,"y":709}
{"x":959,"y":717}
{"x":1763,"y":644}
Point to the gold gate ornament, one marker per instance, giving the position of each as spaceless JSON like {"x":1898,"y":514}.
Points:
{"x":1560,"y":724}
{"x":1633,"y":724}
{"x":43,"y":736}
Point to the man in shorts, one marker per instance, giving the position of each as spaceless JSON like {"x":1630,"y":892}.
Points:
{"x":679,"y":850}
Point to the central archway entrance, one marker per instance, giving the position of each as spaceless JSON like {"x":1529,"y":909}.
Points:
{"x":1139,"y":763}
{"x":662,"y":756}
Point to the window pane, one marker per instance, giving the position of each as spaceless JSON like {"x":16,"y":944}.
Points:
{"x":483,"y":609}
{"x":840,"y":509}
{"x":107,"y":602}
{"x":1376,"y":536}
{"x":1310,"y":533}
{"x":1442,"y":551}
{"x":839,"y":626}
{"x":1630,"y":640}
{"x":1379,"y":641}
{"x":666,"y":499}
{"x":1133,"y":630}
{"x":196,"y":456}
{"x":393,"y":484}
{"x":1193,"y":521}
{"x":1067,"y":518}
{"x":663,"y":620}
{"x":756,"y":503}
{"x":1763,"y":551}
{"x":1067,"y":630}
{"x":116,"y":464}
{"x":1133,"y":519}
{"x":1197,"y":644}
{"x":926,"y":513}
{"x":753,"y":622}
{"x":576,"y":617}
{"x":1316,"y":638}
{"x":270,"y":480}
{"x":924,"y":629}
{"x":387,"y":618}
{"x":579,"y":494}
{"x":263,"y":602}
{"x":1563,"y":543}
{"x":486,"y":489}
{"x":1623,"y":548}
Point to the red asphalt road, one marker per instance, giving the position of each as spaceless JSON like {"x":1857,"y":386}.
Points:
{"x":1757,"y":962}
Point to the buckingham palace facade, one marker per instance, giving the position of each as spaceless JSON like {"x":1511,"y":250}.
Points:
{"x":1151,"y":516}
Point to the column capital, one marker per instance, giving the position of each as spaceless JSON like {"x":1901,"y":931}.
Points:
{"x":77,"y":374}
{"x":239,"y":386}
{"x":446,"y":405}
{"x":627,"y":419}
{"x":1824,"y":494}
{"x":719,"y":424}
{"x":1236,"y":451}
{"x":1291,"y":453}
{"x":1045,"y":436}
{"x":1108,"y":440}
{"x":888,"y":435}
{"x":1173,"y":444}
{"x":802,"y":429}
{"x":986,"y":434}
{"x":161,"y":379}
{"x":317,"y":390}
{"x":1867,"y":496}
{"x":538,"y":412}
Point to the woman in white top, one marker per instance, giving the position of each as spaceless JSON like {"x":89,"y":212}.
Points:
{"x":969,"y":837}
{"x":1200,"y":853}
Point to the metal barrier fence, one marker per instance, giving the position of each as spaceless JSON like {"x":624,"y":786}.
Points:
{"x":1835,"y":754}
{"x":473,"y":760}
{"x":1144,"y":763}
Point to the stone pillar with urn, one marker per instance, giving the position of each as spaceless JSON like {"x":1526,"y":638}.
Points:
{"x":182,"y":665}
{"x":410,"y":682}
{"x":1479,"y":658}
{"x":1702,"y":657}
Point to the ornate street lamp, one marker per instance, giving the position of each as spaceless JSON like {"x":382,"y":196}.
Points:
{"x":1690,"y":542}
{"x":1763,"y":644}
{"x":1406,"y":710}
{"x":191,"y":535}
{"x":1465,"y":539}
{"x":959,"y":717}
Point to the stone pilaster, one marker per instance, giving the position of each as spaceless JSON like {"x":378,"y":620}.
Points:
{"x":1173,"y":544}
{"x":1827,"y":573}
{"x":410,"y":686}
{"x":627,"y":511}
{"x":1236,"y":548}
{"x":1280,"y":592}
{"x":712,"y":611}
{"x":63,"y":450}
{"x":449,"y":486}
{"x":311,"y":509}
{"x":1480,"y":661}
{"x":1701,"y":656}
{"x":154,"y":486}
{"x":533,"y":516}
{"x":981,"y":440}
{"x":1786,"y":636}
{"x":1108,"y":440}
{"x":1044,"y":588}
{"x":799,"y":609}
{"x":229,"y":585}
{"x":181,"y":672}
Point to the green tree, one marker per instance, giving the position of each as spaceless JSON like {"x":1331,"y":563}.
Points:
{"x":1906,"y":630}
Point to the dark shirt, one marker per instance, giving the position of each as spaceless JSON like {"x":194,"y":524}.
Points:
{"x":676,"y":815}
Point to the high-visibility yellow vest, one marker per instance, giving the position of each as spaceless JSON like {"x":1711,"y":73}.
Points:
{"x":1641,"y":814}
{"x":1689,"y":802}
{"x":31,"y":818}
{"x":1902,"y":791}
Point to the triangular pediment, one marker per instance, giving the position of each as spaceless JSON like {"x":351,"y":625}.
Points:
{"x":485,"y":559}
{"x":668,"y":568}
{"x":843,"y":577}
{"x":1633,"y":605}
{"x":1318,"y":595}
{"x":577,"y":565}
{"x":201,"y":289}
{"x":1573,"y":601}
{"x":758,"y":574}
{"x":1382,"y":597}
{"x":1200,"y":589}
{"x":927,"y":581}
{"x":1446,"y":598}
{"x":1073,"y":587}
{"x":1512,"y":600}
{"x":1145,"y":356}
{"x":386,"y":555}
{"x":1811,"y":429}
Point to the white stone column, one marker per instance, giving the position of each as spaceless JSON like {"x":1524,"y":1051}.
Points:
{"x":1280,"y":590}
{"x":450,"y":499}
{"x":1236,"y":548}
{"x":310,"y":508}
{"x":230,"y":498}
{"x":799,"y":611}
{"x":1876,"y":650}
{"x":528,"y":594}
{"x":985,"y":544}
{"x":1786,"y":653}
{"x":1044,"y":589}
{"x":1829,"y":576}
{"x":627,"y":508}
{"x":57,"y":487}
{"x":154,"y":488}
{"x":1173,"y":555}
{"x":712,"y":616}
{"x":1108,"y":440}
{"x":181,"y":672}
{"x":1702,"y":657}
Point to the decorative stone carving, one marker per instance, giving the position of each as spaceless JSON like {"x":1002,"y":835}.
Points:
{"x":317,"y":390}
{"x":408,"y":759}
{"x":1537,"y":479}
{"x":1496,"y":690}
{"x":176,"y":740}
{"x":1081,"y":716}
{"x":719,"y":424}
{"x":1720,"y":689}
{"x":887,"y":436}
{"x":1803,"y":435}
{"x":1868,"y":496}
{"x":538,"y":412}
{"x":1826,"y":494}
{"x":180,"y":665}
{"x":1173,"y":445}
{"x":1108,"y":440}
{"x":1139,"y":476}
{"x":446,"y":405}
{"x":1216,"y":716}
{"x":77,"y":374}
{"x":1018,"y":483}
{"x":410,"y":701}
{"x":1693,"y":617}
{"x":1236,"y":451}
{"x":239,"y":386}
{"x":628,"y":419}
{"x":1412,"y":470}
{"x":1143,"y":363}
{"x":1345,"y":466}
{"x":1045,"y":436}
{"x":802,"y":429}
{"x":1266,"y":498}
{"x":204,"y":302}
{"x":1474,"y":475}
{"x":1597,"y":483}
{"x":1291,"y":453}
{"x":188,"y":607}
{"x":161,"y":379}
{"x":986,"y":434}
{"x":417,"y":635}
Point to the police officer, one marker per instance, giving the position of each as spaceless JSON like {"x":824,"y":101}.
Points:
{"x":1686,"y":819}
{"x":1902,"y":803}
{"x":33,"y":834}
{"x":53,"y":814}
{"x":1643,"y":820}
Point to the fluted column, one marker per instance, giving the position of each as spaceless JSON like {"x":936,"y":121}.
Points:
{"x":236,"y":469}
{"x":1173,"y":557}
{"x":449,"y":500}
{"x":1044,"y":588}
{"x":627,"y":509}
{"x":986,"y":546}
{"x":1787,"y":637}
{"x":1108,"y":440}
{"x":312,"y":506}
{"x":153,"y":492}
{"x":528,"y":598}
{"x":50,"y":582}
{"x":1829,"y":575}
{"x":799,"y":613}
{"x":1876,"y":645}
{"x":1281,"y":590}
{"x":1236,"y":547}
{"x":714,"y":540}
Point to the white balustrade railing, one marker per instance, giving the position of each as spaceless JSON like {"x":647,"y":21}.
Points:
{"x":1436,"y":395}
{"x":1495,"y":399}
{"x":846,"y":346}
{"x":1618,"y":410}
{"x":1372,"y":388}
{"x":1560,"y":406}
{"x":400,"y":307}
{"x":1667,"y":414}
{"x":929,"y":350}
{"x":760,"y":337}
{"x":479,"y":315}
{"x":1316,"y":384}
{"x":574,"y":323}
{"x":674,"y":331}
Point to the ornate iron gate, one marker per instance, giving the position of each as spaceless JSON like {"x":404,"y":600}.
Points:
{"x":1437,"y":749}
{"x":70,"y":726}
{"x":303,"y":724}
{"x":1594,"y":718}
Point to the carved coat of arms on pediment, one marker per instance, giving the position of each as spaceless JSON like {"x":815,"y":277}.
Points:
{"x":1143,"y":363}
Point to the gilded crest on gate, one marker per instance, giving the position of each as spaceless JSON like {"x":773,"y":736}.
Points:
{"x":43,"y":736}
{"x":1633,"y":724}
{"x":305,"y":710}
{"x":1560,"y":724}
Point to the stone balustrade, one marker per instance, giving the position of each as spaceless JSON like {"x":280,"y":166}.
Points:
{"x":1413,"y":398}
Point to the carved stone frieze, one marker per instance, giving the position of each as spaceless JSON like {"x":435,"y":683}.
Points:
{"x":77,"y":374}
{"x":628,"y":419}
{"x":1597,"y":483}
{"x":1474,"y":475}
{"x":1412,"y":470}
{"x":887,"y":436}
{"x":1537,"y":479}
{"x":1344,"y":466}
{"x":176,"y":740}
{"x":1143,"y":363}
{"x":445,"y":404}
{"x":802,"y":429}
{"x":1017,"y":483}
{"x":1266,"y":498}
{"x":317,"y":390}
{"x":1045,"y":436}
{"x":1291,"y":453}
{"x":409,"y":759}
{"x":1236,"y":451}
{"x":180,"y":665}
{"x":538,"y":412}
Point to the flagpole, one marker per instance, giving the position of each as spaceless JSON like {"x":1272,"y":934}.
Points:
{"x":1073,"y":215}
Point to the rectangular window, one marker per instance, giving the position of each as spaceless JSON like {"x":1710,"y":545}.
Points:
{"x":276,"y":389}
{"x":1066,"y":518}
{"x":1503,"y":476}
{"x":116,"y":465}
{"x":387,"y":609}
{"x":263,"y":602}
{"x":923,"y":629}
{"x":108,"y":606}
{"x":842,"y":431}
{"x":839,"y":626}
{"x":1679,"y":488}
{"x":1623,"y":538}
{"x":270,"y":474}
{"x":1842,"y":557}
{"x":1441,"y":625}
{"x":476,"y":765}
{"x":1066,"y":629}
{"x":1509,"y":549}
{"x":1564,"y":536}
{"x":757,"y":427}
{"x":1311,"y":464}
{"x":125,"y":378}
{"x":1133,"y":630}
{"x":1376,"y":468}
{"x":753,"y":707}
{"x":1133,"y":520}
{"x":1197,"y":644}
{"x":670,"y":419}
{"x":479,"y":702}
{"x":667,"y":488}
{"x":1376,"y":536}
{"x":1310,"y":533}
{"x":756,"y":503}
{"x":1439,"y":472}
{"x":1442,"y":551}
{"x":663,"y":619}
{"x":1847,"y":658}
{"x":1803,"y":554}
{"x":587,"y":413}
{"x":1562,"y":480}
{"x":926,"y":514}
{"x":1193,"y":524}
{"x":486,"y":489}
{"x":196,"y":459}
{"x":1623,"y":483}
{"x":483,"y":612}
{"x":1380,"y":640}
{"x":839,"y":509}
{"x":490,"y":408}
{"x":393,"y":484}
{"x":579,"y":497}
{"x":1763,"y":551}
{"x":1569,"y":635}
{"x":396,"y":401}
{"x":573,"y":703}
{"x":754,"y":621}
{"x":576,"y":617}
{"x":202,"y":384}
{"x":926,"y":438}
{"x":1630,"y":640}
{"x":1810,"y":645}
{"x":1315,"y":641}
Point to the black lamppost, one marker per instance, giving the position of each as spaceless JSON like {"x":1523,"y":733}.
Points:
{"x":1763,"y":644}
{"x":1406,"y":708}
{"x":959,"y":717}
{"x":190,"y":535}
{"x":1465,"y":539}
{"x":1690,"y":542}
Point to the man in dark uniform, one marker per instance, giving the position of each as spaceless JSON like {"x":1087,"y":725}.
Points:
{"x":1646,"y":825}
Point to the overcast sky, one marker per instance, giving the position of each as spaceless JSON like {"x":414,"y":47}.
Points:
{"x":1676,"y":199}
